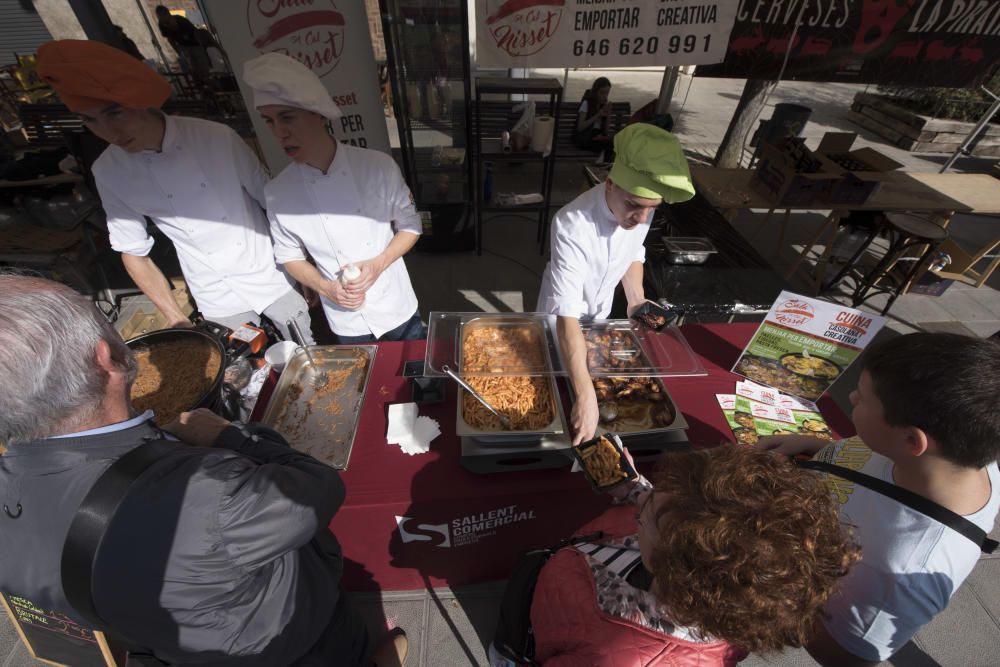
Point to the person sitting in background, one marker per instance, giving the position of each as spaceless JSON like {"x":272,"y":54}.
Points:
{"x":926,"y":414}
{"x":592,"y":118}
{"x":731,"y":550}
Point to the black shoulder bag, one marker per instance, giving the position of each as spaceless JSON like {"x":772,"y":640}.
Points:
{"x":514,"y":638}
{"x":86,"y":532}
{"x":914,"y":501}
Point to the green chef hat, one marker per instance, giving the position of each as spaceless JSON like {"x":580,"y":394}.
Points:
{"x":650,"y":163}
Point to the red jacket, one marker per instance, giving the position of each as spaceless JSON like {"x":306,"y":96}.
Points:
{"x":572,"y":631}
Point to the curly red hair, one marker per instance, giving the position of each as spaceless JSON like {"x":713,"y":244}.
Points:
{"x":751,"y":547}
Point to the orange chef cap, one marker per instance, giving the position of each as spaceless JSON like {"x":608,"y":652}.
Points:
{"x":87,"y":74}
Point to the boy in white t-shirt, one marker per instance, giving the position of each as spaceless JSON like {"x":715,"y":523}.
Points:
{"x":927,"y":418}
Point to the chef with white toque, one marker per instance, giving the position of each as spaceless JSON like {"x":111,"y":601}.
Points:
{"x":346,"y":208}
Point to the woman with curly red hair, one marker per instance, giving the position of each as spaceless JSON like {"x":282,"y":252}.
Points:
{"x":731,"y":551}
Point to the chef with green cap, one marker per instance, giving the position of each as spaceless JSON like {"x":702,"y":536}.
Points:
{"x":597,"y":242}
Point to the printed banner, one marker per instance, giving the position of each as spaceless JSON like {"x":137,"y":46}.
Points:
{"x":947,"y":43}
{"x":803,"y":345}
{"x":331,"y":38}
{"x":601,"y":33}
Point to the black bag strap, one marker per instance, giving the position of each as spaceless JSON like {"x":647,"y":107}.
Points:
{"x":95,"y":513}
{"x":914,"y":501}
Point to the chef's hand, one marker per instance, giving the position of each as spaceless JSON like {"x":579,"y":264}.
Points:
{"x":200,"y":427}
{"x":790,"y":445}
{"x":632,"y":307}
{"x":340,"y":295}
{"x":370,"y":269}
{"x":181,"y":322}
{"x":584,"y":417}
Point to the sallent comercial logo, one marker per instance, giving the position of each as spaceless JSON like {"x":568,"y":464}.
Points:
{"x":461,"y":531}
{"x":311,"y":31}
{"x":523,"y":27}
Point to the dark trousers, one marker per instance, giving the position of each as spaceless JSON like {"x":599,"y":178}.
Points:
{"x":411,"y":329}
{"x":344,"y":642}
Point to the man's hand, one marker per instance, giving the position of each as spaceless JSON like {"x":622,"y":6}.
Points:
{"x":339,"y":294}
{"x":199,"y":427}
{"x":790,"y":445}
{"x":370,"y":269}
{"x":584,"y":416}
{"x":181,"y":322}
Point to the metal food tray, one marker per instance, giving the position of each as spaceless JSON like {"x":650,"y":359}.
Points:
{"x":558,"y":424}
{"x":679,"y":422}
{"x":640,"y":359}
{"x":322,"y":422}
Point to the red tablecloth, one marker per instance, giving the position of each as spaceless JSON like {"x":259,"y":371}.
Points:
{"x":415,"y":521}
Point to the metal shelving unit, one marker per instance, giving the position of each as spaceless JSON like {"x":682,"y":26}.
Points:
{"x":428,"y":57}
{"x":490,"y":149}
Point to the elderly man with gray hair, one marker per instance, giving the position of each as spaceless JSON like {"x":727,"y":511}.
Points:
{"x":219,"y":553}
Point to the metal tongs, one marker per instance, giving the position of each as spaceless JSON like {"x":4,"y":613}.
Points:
{"x":504,"y":421}
{"x":319,"y":379}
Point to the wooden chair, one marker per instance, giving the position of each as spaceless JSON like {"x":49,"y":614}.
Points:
{"x":963,"y":263}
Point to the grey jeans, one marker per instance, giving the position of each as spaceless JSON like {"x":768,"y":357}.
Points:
{"x":289,"y":307}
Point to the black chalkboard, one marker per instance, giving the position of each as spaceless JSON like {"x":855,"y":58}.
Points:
{"x":55,"y":638}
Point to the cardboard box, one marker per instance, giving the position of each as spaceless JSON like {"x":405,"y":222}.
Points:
{"x":139,"y":315}
{"x":859,"y":167}
{"x":790,"y":174}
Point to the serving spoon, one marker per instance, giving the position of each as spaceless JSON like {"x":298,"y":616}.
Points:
{"x":319,"y":379}
{"x":504,"y":421}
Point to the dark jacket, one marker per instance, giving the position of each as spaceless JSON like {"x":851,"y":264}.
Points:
{"x":219,"y":556}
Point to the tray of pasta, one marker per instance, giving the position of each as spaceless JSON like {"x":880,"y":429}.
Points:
{"x":531,"y":402}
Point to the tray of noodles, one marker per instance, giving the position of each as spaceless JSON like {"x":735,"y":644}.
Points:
{"x":322,"y":422}
{"x":531,"y":402}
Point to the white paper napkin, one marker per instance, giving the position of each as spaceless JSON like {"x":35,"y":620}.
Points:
{"x":411,"y":432}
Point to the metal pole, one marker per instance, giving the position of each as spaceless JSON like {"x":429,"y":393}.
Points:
{"x":666,"y":90}
{"x":974,"y":134}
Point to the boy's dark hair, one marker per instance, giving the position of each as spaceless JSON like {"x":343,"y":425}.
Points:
{"x":947,"y":385}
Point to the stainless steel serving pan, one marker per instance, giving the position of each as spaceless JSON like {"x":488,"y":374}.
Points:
{"x":322,"y":422}
{"x":558,"y":423}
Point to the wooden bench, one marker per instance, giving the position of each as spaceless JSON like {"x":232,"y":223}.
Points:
{"x":497,"y":117}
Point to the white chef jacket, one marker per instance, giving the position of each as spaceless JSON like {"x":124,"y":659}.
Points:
{"x":590,"y":254}
{"x":342,"y":217}
{"x":204,"y":190}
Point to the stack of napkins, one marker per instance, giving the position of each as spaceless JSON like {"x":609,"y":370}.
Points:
{"x":407,"y":429}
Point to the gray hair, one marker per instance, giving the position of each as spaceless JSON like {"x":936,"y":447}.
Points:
{"x":48,"y":338}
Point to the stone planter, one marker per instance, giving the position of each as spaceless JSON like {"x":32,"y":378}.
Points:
{"x":917,"y":133}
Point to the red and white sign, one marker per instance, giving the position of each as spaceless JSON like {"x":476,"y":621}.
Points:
{"x":611,"y":33}
{"x":331,"y":38}
{"x":311,"y":31}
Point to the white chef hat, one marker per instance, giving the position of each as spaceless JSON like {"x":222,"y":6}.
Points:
{"x":277,"y":79}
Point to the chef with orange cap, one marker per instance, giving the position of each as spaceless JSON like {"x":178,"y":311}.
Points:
{"x":195,"y":179}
